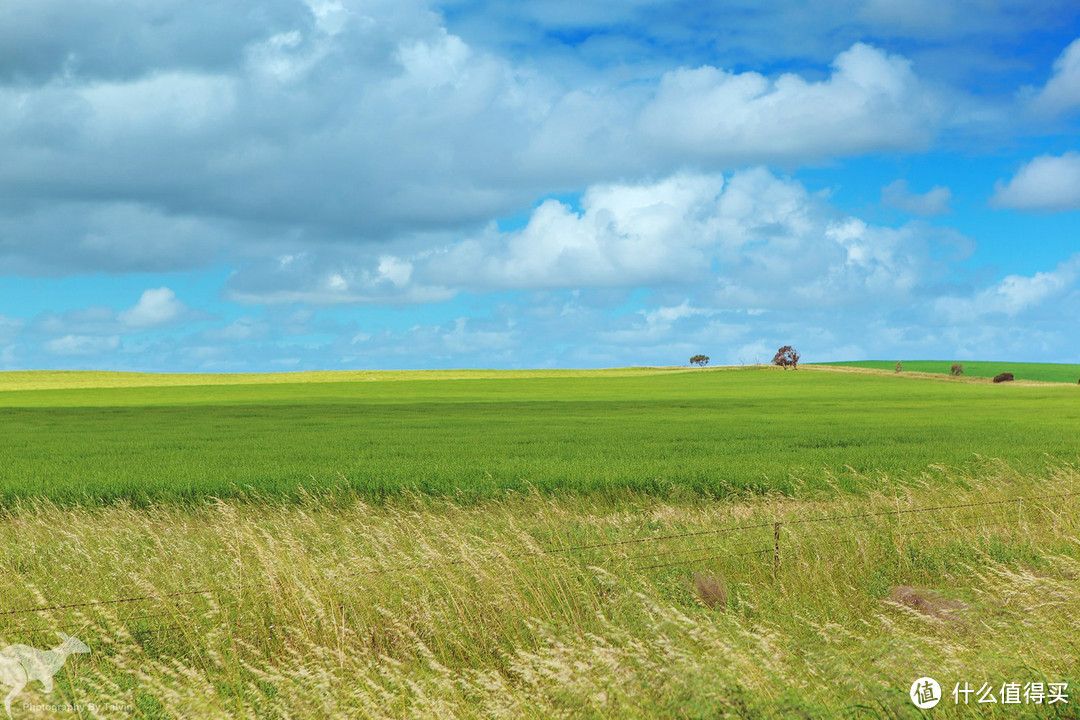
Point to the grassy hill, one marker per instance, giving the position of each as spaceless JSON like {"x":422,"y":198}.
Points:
{"x":714,"y":432}
{"x":1039,"y":372}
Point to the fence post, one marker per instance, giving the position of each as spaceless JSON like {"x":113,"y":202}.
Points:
{"x":776,"y":549}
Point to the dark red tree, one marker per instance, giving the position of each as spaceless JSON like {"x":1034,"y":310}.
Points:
{"x":787,"y":357}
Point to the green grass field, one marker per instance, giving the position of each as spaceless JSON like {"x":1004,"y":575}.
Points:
{"x":634,"y":543}
{"x":1038,"y":372}
{"x":92,"y":438}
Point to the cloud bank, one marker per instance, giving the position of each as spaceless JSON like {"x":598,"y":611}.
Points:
{"x":362,"y":124}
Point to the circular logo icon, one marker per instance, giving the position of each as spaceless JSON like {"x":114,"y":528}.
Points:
{"x":925,"y":693}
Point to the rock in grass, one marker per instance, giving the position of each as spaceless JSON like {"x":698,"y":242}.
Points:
{"x":1004,"y":377}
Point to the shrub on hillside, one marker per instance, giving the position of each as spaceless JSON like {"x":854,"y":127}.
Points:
{"x":956,"y":370}
{"x":1004,"y":377}
{"x":787,"y":357}
{"x":899,"y":367}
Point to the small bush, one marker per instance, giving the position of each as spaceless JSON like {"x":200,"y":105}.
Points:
{"x":899,"y":367}
{"x":956,"y":370}
{"x":1004,"y":377}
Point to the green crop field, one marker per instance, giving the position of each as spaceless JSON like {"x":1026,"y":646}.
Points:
{"x":744,"y":542}
{"x":1038,"y":372}
{"x":99,"y":437}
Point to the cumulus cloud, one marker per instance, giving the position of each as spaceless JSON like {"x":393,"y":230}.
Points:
{"x":1062,"y":90}
{"x":708,"y":116}
{"x":243,"y":329}
{"x":1047,"y":183}
{"x":933,"y":202}
{"x":751,"y":240}
{"x":872,"y":101}
{"x":756,"y":240}
{"x":338,"y":125}
{"x":157,"y":325}
{"x":624,"y":235}
{"x":331,"y":275}
{"x":82,"y":344}
{"x":156,"y":307}
{"x":1014,"y":295}
{"x":361,"y":123}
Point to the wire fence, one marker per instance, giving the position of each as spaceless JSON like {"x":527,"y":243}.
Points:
{"x":710,"y":551}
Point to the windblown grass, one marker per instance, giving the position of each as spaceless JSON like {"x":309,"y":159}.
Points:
{"x":420,"y":607}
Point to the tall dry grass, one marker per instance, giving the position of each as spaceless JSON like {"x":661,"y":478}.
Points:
{"x":421,"y":608}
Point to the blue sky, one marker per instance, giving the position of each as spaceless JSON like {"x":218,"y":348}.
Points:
{"x":328,"y":184}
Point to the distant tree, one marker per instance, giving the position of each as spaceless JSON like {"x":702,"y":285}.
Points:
{"x":786,"y":357}
{"x":956,"y":370}
{"x":700,"y":360}
{"x":899,"y":366}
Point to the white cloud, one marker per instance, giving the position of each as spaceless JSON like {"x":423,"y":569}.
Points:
{"x":1047,"y":183}
{"x":363,"y":123}
{"x":394,"y":270}
{"x":666,"y":316}
{"x":750,"y":240}
{"x":341,"y":275}
{"x":1014,"y":295}
{"x":96,"y":329}
{"x":156,"y":307}
{"x":624,"y":235}
{"x":462,"y":339}
{"x":82,"y":344}
{"x":933,"y":202}
{"x":1062,"y":90}
{"x":241,"y":329}
{"x":872,"y":101}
